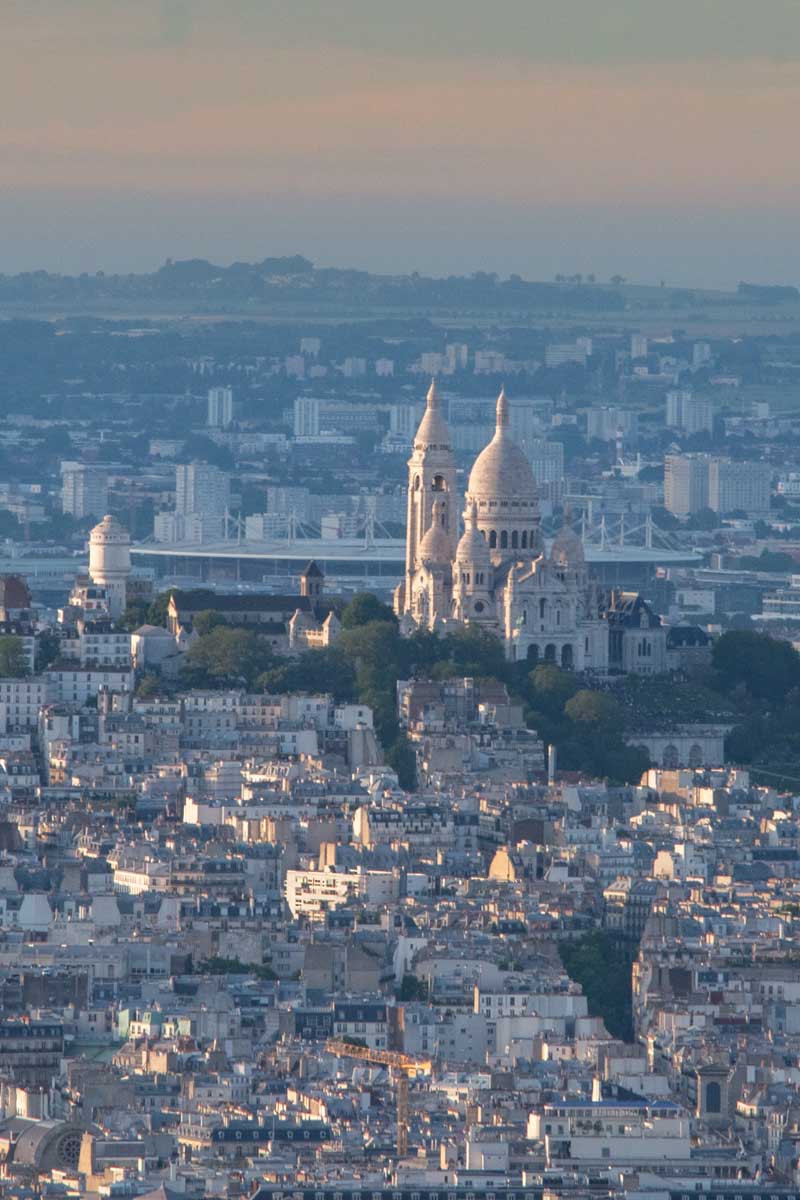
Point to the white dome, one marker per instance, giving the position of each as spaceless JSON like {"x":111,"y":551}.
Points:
{"x":502,"y":471}
{"x":472,"y":548}
{"x":435,"y":546}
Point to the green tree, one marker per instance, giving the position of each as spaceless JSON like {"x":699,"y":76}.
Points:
{"x":375,"y":644}
{"x":325,"y":670}
{"x":767,"y":667}
{"x":706,"y":519}
{"x":603,"y":969}
{"x":549,"y":688}
{"x":135,"y":614}
{"x":365,"y":608}
{"x":595,"y":709}
{"x":401,"y":758}
{"x":48,"y":648}
{"x":475,"y":651}
{"x":227,"y":658}
{"x":13,"y":661}
{"x":157,"y":612}
{"x":207,"y":620}
{"x":149,"y":686}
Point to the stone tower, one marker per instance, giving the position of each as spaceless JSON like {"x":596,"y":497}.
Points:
{"x":431,"y":478}
{"x":110,"y":562}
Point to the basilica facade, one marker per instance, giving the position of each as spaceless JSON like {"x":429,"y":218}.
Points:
{"x":497,"y":573}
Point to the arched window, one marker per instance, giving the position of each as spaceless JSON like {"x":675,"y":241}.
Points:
{"x":566,"y":657}
{"x":514,"y":540}
{"x":524,"y":539}
{"x":542,"y":605}
{"x":671,"y":756}
{"x":695,"y":755}
{"x":438,"y":484}
{"x":504,"y":539}
{"x":493,"y":540}
{"x":533,"y":654}
{"x":550,"y":653}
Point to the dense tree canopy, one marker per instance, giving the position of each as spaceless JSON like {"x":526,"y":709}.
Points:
{"x":766,"y":667}
{"x":365,"y":608}
{"x":13,"y":662}
{"x":227,"y":657}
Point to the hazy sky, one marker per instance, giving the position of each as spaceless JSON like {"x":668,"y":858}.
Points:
{"x":657,"y":138}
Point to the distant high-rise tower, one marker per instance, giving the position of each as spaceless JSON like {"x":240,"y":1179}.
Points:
{"x":84,"y":490}
{"x":110,"y":561}
{"x":220,"y":407}
{"x":306,"y":416}
{"x":201,"y":488}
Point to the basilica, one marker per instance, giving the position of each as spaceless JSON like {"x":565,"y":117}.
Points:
{"x":497,"y":574}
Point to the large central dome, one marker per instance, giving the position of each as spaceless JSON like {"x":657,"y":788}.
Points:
{"x":502,"y":491}
{"x":501,"y":471}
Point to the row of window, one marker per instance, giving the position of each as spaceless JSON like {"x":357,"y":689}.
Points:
{"x":269,"y":1194}
{"x":517,"y":541}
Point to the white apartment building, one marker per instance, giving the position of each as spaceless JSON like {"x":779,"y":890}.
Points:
{"x":201,"y":487}
{"x":193,"y":528}
{"x":685,"y":483}
{"x":100,"y":644}
{"x":560,"y":354}
{"x":546,"y":459}
{"x":220,"y":407}
{"x":314,"y":893}
{"x":306,"y":416}
{"x":690,"y":413}
{"x":744,"y":486}
{"x":84,"y":491}
{"x":605,"y":424}
{"x":81,"y":683}
{"x":21,"y":701}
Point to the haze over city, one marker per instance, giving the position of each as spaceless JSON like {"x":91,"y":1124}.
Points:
{"x":532,"y":136}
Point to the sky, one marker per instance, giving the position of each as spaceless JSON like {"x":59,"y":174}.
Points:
{"x":656,"y":139}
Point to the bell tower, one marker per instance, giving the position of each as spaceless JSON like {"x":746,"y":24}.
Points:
{"x":431,"y":479}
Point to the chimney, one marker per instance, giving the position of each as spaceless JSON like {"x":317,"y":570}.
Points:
{"x":551,"y":765}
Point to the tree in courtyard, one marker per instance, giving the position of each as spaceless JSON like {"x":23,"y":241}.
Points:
{"x":364,"y":608}
{"x":13,"y":660}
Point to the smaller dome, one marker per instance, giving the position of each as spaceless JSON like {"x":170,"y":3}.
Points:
{"x":567,"y":548}
{"x":473,"y":547}
{"x":435,"y":546}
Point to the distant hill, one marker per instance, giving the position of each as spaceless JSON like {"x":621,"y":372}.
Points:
{"x":296,"y":280}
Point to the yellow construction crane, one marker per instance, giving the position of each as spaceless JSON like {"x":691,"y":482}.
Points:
{"x":402,"y":1068}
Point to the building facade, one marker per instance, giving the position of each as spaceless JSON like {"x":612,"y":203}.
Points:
{"x":497,"y":575}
